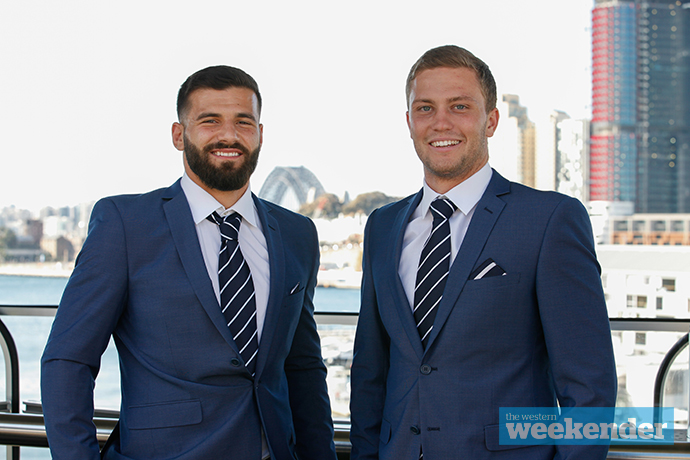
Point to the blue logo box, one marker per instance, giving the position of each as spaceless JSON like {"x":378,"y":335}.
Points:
{"x":585,"y":425}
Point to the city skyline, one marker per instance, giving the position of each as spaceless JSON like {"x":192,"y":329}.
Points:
{"x":90,"y":101}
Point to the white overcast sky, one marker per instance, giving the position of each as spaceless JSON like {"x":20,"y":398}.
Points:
{"x":88,"y":88}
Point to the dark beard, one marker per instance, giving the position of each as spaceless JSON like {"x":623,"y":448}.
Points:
{"x":227,"y":177}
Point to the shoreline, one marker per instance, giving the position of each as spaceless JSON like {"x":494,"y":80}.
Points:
{"x":338,"y":279}
{"x":42,"y":269}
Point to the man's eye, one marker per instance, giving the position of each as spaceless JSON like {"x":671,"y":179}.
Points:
{"x":461,"y":107}
{"x":425,"y":108}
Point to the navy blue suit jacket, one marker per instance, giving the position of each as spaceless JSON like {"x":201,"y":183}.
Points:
{"x":185,"y":392}
{"x":535,"y":336}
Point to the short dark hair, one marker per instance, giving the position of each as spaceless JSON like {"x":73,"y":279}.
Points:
{"x":217,"y":77}
{"x":455,"y":57}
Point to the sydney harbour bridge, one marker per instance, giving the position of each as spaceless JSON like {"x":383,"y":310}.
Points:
{"x":291,"y":187}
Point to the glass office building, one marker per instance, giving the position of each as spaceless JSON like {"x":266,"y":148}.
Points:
{"x":640,"y":142}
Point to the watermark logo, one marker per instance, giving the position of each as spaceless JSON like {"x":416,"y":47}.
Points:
{"x":585,"y":425}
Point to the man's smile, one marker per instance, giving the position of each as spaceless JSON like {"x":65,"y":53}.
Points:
{"x":445,"y":143}
{"x":220,"y":153}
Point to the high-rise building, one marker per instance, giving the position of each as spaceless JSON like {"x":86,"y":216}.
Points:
{"x":640,"y":133}
{"x":515,"y":142}
{"x":614,"y":58}
{"x":572,"y":153}
{"x":548,"y":138}
{"x":563,"y":156}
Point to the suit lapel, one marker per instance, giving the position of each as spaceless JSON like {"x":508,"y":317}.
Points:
{"x":276,"y":258}
{"x":186,"y":241}
{"x":399,"y":298}
{"x":486,"y":214}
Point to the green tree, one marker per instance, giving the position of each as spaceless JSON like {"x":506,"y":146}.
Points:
{"x":327,"y":206}
{"x":367,"y":202}
{"x":7,"y":238}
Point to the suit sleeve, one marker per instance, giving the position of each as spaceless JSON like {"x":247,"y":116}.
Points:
{"x":88,"y":312}
{"x":306,"y":376}
{"x":575,"y":319}
{"x":369,"y":367}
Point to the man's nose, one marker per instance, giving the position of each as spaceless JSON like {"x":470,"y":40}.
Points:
{"x":228,"y":133}
{"x":442,"y":121}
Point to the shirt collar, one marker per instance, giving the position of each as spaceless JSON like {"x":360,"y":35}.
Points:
{"x":465,"y":195}
{"x":202,"y":204}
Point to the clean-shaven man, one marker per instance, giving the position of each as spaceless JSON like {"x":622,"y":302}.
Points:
{"x":478,"y":293}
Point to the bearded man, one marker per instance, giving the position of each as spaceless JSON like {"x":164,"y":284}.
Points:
{"x":219,"y":353}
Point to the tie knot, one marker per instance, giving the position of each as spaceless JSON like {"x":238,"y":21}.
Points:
{"x":442,"y":208}
{"x":229,"y":225}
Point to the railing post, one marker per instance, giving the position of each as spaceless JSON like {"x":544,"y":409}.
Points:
{"x":662,"y":373}
{"x":9,"y":351}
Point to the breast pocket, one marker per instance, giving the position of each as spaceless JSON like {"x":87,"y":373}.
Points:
{"x":492,"y":296}
{"x":297,"y":288}
{"x":294,"y":297}
{"x":494,"y":282}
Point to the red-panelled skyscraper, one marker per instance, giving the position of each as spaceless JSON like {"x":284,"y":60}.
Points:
{"x":640,"y":134}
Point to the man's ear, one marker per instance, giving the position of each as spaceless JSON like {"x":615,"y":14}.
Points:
{"x":178,"y":136}
{"x":491,"y":122}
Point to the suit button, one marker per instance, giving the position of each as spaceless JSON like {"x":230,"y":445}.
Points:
{"x":425,"y":369}
{"x":415,"y":429}
{"x":235,"y":362}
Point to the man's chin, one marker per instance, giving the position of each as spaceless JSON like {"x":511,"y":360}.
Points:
{"x":225,"y":184}
{"x":227,"y":188}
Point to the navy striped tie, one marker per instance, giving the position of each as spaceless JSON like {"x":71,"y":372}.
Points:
{"x":237,"y":289}
{"x":434,"y":264}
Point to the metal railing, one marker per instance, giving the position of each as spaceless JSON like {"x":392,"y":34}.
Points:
{"x":28,"y":428}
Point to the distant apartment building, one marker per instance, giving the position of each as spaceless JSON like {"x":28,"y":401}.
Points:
{"x":513,"y":147}
{"x":56,"y":234}
{"x":613,"y":151}
{"x":563,"y":156}
{"x":59,"y":248}
{"x":572,"y":159}
{"x":650,"y":229}
{"x":34,"y":232}
{"x":56,"y":226}
{"x":646,"y":281}
{"x":640,"y":133}
{"x":645,"y":262}
{"x":645,"y":266}
{"x":548,"y":137}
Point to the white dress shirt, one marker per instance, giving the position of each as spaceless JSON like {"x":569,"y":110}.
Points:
{"x":465,"y":196}
{"x":252,"y":244}
{"x":251,"y":240}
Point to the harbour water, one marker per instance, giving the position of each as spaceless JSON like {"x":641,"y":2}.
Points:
{"x":30,"y":335}
{"x":40,"y":290}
